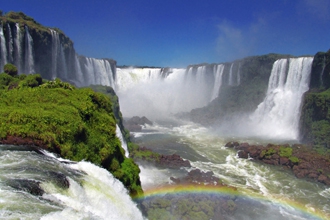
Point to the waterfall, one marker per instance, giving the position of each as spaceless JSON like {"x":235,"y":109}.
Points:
{"x":18,"y":48}
{"x":230,"y":80}
{"x":239,"y":74}
{"x":218,"y":71}
{"x":278,"y":115}
{"x":122,"y":140}
{"x":97,"y":72}
{"x":29,"y":57}
{"x":3,"y":49}
{"x":10,"y":44}
{"x":42,"y":186}
{"x":322,"y":71}
{"x":130,"y":77}
{"x":79,"y":75}
{"x":59,"y":66}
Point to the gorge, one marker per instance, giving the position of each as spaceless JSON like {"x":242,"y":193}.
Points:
{"x":257,"y":99}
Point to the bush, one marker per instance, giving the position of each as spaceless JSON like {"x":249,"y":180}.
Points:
{"x":10,"y":69}
{"x":285,"y":152}
{"x":77,"y":123}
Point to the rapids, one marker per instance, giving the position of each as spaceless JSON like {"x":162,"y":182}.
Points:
{"x":42,"y":186}
{"x":282,"y":194}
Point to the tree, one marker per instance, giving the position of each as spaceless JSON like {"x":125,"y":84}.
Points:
{"x":10,"y":69}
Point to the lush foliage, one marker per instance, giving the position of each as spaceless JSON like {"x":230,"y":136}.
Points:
{"x":77,"y":123}
{"x":10,"y":69}
{"x":315,"y":120}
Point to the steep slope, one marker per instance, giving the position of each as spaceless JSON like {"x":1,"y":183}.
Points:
{"x":78,"y":124}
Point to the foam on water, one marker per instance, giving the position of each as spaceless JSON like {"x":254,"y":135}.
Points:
{"x":93,"y":192}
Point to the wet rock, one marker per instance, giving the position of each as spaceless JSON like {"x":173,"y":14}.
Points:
{"x":232,"y":144}
{"x":197,"y":176}
{"x":284,"y":161}
{"x":30,"y":186}
{"x":304,"y":162}
{"x":173,"y":161}
{"x":136,"y":123}
{"x":59,"y":179}
{"x":243,"y":154}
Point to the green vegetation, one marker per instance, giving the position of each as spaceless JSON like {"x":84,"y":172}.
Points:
{"x":10,"y":69}
{"x":268,"y":153}
{"x":315,"y":120}
{"x":22,"y":19}
{"x":294,"y":159}
{"x":285,"y":152}
{"x":77,"y":123}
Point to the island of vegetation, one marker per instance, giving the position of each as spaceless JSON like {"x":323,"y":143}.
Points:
{"x":78,"y":124}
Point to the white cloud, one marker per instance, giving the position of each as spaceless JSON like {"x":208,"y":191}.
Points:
{"x":236,"y":42}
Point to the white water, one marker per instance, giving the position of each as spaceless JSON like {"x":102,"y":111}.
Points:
{"x":58,"y":64}
{"x":29,"y":57}
{"x":272,"y":185}
{"x":181,"y":90}
{"x":230,"y":79}
{"x":93,"y":192}
{"x":18,"y":48}
{"x":278,"y":115}
{"x":11,"y":45}
{"x":122,"y":140}
{"x":218,"y":72}
{"x":3,"y":51}
{"x":98,"y":72}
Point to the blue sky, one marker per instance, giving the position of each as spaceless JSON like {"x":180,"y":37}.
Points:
{"x":177,"y":33}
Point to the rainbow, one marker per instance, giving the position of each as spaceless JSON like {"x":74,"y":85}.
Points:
{"x":283,"y":202}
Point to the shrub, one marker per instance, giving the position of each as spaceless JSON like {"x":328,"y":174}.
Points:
{"x":285,"y":152}
{"x":10,"y":69}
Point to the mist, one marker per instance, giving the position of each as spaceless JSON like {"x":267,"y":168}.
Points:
{"x":145,"y":92}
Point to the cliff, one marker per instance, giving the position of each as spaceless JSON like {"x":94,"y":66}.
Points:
{"x":241,"y":95}
{"x":315,"y":114}
{"x":78,"y":124}
{"x":34,"y":48}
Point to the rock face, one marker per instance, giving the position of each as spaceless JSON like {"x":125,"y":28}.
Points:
{"x":314,"y":121}
{"x":173,"y":161}
{"x":240,"y":92}
{"x":136,"y":123}
{"x":34,"y":48}
{"x":197,"y":176}
{"x":304,"y":162}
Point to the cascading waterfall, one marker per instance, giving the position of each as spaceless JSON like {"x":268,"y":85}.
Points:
{"x":10,"y":45}
{"x":18,"y":48}
{"x":99,"y":72}
{"x":322,"y":71}
{"x":29,"y":57}
{"x":122,"y":140}
{"x":59,"y":66}
{"x":218,"y":71}
{"x":41,"y":186}
{"x":230,"y":80}
{"x":239,"y":74}
{"x":278,"y":115}
{"x":80,"y":77}
{"x":180,"y":91}
{"x":3,"y":48}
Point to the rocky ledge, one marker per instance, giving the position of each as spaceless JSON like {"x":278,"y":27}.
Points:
{"x":304,"y":162}
{"x":136,"y":123}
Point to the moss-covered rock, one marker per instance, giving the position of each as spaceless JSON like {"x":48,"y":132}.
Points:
{"x":79,"y":124}
{"x":315,"y":120}
{"x":320,"y":76}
